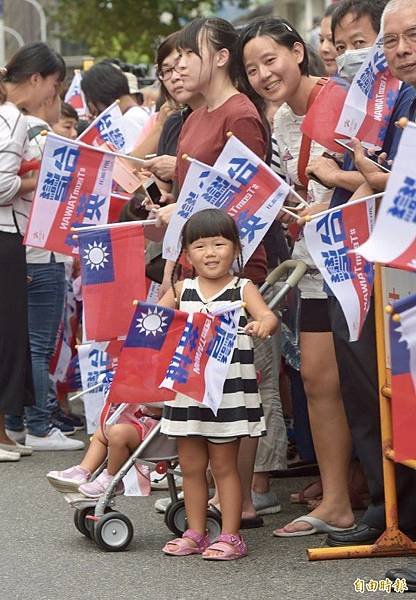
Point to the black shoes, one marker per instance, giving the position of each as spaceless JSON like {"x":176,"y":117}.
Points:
{"x":361,"y":534}
{"x":408,"y":574}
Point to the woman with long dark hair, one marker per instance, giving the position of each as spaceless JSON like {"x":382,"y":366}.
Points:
{"x":31,"y":77}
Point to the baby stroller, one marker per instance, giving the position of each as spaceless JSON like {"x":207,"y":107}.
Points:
{"x":113,"y":531}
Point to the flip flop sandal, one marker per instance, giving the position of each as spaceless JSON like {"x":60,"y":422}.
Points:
{"x":317,"y":526}
{"x":245,"y":523}
{"x":231,"y":547}
{"x":183,"y":548}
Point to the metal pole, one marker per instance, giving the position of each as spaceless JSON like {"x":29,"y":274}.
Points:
{"x":42,"y":19}
{"x":2,"y":51}
{"x":15,"y":34}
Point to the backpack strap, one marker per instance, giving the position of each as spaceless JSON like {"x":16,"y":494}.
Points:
{"x":305,"y":146}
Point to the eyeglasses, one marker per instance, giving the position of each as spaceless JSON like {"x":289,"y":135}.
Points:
{"x":165,"y":73}
{"x":391,"y":40}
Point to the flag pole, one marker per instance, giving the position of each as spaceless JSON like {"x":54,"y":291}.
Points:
{"x":309,"y":218}
{"x":112,"y":226}
{"x":90,"y":389}
{"x":94,"y":148}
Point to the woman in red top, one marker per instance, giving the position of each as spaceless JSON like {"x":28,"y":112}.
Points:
{"x":205,"y":55}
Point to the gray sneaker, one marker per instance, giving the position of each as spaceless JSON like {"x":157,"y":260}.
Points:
{"x":266,"y":504}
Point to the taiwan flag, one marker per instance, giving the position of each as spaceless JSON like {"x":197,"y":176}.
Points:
{"x":152,"y":339}
{"x":403,"y":371}
{"x":75,"y":96}
{"x":113,"y":276}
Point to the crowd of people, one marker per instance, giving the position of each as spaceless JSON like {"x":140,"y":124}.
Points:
{"x":258,"y":82}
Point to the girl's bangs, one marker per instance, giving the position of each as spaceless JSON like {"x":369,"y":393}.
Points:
{"x":189,"y":37}
{"x":210,"y":223}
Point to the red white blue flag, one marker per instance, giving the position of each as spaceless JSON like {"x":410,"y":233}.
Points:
{"x":200,"y":364}
{"x":239,"y":183}
{"x":370,"y":100}
{"x":75,"y":96}
{"x":113,"y":276}
{"x":73,"y":189}
{"x":96,"y":360}
{"x":393,"y":241}
{"x":152,"y":339}
{"x":330,"y":240}
{"x":107,"y":128}
{"x":403,"y":372}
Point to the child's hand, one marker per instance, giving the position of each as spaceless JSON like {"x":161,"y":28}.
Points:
{"x":258,"y":329}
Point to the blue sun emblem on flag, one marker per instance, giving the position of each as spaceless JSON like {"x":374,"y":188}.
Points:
{"x":152,"y":323}
{"x":149,"y":327}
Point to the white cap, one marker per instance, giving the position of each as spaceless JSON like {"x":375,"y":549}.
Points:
{"x":132,"y":79}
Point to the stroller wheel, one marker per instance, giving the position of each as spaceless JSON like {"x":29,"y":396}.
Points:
{"x":175,"y":517}
{"x":113,"y":532}
{"x":84,"y":525}
{"x":81,"y":522}
{"x":175,"y":520}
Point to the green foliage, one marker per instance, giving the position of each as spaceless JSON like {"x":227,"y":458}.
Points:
{"x":129,"y":29}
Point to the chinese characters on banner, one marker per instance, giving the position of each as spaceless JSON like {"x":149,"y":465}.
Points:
{"x":330,"y":240}
{"x":73,"y":189}
{"x":393,"y":241}
{"x":96,"y":359}
{"x":107,"y":128}
{"x":75,"y":96}
{"x":199,"y":366}
{"x":239,"y":183}
{"x":370,"y":100}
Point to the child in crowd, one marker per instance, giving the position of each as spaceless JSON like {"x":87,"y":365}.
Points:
{"x":67,"y":123}
{"x":118,"y":442}
{"x":211,"y":244}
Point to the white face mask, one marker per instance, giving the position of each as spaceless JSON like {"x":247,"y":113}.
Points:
{"x":349,"y":63}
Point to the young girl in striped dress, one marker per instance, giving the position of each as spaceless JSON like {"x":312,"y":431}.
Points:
{"x":210,"y":243}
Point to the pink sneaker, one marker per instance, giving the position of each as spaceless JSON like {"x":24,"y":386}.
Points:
{"x":96,"y":488}
{"x":68,"y":480}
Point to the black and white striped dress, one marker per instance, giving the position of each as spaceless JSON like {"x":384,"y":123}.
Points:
{"x":240,"y":412}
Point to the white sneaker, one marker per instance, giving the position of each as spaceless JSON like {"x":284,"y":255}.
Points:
{"x":55,"y":440}
{"x":6,"y":456}
{"x":160,"y":482}
{"x":19,"y":448}
{"x":17,"y":436}
{"x":162,"y":504}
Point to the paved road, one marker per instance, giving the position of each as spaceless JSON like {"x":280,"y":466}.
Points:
{"x":43,"y":557}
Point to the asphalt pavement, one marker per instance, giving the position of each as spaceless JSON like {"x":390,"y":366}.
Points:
{"x":43,"y":556}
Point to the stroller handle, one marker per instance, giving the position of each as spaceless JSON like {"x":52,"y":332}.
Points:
{"x":296,"y":268}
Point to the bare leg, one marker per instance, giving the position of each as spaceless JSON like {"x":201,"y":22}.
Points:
{"x":123,"y":439}
{"x":4,"y":439}
{"x":331,"y":435}
{"x":223,"y":460}
{"x":246,"y":460}
{"x":193,"y":459}
{"x":261,"y":483}
{"x":96,"y":453}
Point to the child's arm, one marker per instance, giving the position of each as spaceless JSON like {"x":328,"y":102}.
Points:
{"x":168,"y":299}
{"x":264,"y":320}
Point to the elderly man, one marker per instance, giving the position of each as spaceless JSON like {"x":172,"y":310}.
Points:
{"x":399,"y":24}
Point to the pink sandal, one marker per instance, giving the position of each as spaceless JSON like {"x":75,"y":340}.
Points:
{"x":231,"y":546}
{"x":183,"y":548}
